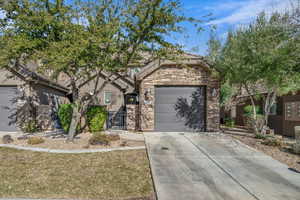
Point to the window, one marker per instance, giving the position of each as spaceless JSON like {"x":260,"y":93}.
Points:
{"x":107,"y":97}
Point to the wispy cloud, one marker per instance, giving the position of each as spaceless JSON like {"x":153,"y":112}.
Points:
{"x":246,"y":11}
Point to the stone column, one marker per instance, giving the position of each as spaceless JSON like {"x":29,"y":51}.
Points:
{"x":297,"y":137}
{"x":132,"y":117}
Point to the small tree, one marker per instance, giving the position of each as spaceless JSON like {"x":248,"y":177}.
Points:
{"x":263,"y":54}
{"x":83,"y":39}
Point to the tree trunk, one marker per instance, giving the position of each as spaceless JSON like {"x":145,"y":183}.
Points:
{"x":254,"y":123}
{"x":269,"y":102}
{"x":74,"y":122}
{"x":75,"y":112}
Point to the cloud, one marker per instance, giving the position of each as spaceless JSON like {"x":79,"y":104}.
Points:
{"x":246,"y":11}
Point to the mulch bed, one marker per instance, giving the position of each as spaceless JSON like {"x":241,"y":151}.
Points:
{"x":80,"y":142}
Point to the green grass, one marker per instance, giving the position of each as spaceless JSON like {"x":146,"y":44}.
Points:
{"x":110,"y":175}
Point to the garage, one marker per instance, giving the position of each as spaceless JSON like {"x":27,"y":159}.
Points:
{"x":176,"y":96}
{"x":7,"y":107}
{"x":179,"y":108}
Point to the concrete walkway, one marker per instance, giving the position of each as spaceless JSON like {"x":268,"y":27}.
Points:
{"x":202,"y":167}
{"x":70,"y":151}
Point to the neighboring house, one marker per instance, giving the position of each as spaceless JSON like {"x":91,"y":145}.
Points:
{"x":284,"y":116}
{"x":176,"y":96}
{"x":47,"y":96}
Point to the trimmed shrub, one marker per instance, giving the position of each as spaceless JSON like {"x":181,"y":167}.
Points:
{"x":65,"y":115}
{"x":96,"y":116}
{"x":35,"y":140}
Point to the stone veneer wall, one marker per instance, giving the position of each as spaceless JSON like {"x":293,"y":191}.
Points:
{"x":131,"y":117}
{"x":179,"y":76}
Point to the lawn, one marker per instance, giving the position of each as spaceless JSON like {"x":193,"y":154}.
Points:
{"x":111,"y":175}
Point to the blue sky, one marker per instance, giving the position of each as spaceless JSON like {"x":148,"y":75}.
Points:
{"x":227,"y":15}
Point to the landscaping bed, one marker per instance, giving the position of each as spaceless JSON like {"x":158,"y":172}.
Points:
{"x":118,"y":175}
{"x":80,"y":142}
{"x":283,"y":153}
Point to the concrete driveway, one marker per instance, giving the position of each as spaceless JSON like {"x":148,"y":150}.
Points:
{"x":188,"y":166}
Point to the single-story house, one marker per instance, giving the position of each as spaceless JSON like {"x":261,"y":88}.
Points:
{"x":47,"y":96}
{"x":168,"y":95}
{"x":180,"y":95}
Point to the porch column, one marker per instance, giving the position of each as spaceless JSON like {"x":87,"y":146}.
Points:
{"x":132,"y":117}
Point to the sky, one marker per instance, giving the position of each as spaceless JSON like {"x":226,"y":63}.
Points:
{"x":225,"y":15}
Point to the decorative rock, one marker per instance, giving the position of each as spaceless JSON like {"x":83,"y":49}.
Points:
{"x":6,"y":139}
{"x":297,"y":133}
{"x":23,"y":137}
{"x":297,"y":137}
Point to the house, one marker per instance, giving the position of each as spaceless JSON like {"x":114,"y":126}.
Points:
{"x":177,"y":95}
{"x":284,"y":116}
{"x":168,"y":95}
{"x":14,"y":83}
{"x":181,"y":95}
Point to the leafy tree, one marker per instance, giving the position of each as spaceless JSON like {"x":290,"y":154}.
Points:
{"x":263,"y":54}
{"x":85,"y":39}
{"x":214,"y":52}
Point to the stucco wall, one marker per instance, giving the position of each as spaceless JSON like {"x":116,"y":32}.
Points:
{"x":117,"y":95}
{"x":178,"y":76}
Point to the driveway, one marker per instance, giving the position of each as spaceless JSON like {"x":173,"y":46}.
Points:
{"x":188,"y":166}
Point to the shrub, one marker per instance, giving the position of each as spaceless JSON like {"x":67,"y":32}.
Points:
{"x":229,"y":122}
{"x":35,"y":140}
{"x":248,"y":110}
{"x":96,"y":117}
{"x":65,"y":115}
{"x":272,"y":141}
{"x":30,"y":126}
{"x":260,"y":136}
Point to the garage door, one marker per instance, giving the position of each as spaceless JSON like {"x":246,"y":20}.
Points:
{"x":7,"y":94}
{"x":180,"y":108}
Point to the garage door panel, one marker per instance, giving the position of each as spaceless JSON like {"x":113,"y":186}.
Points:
{"x":179,"y":108}
{"x":166,"y":108}
{"x":7,"y":107}
{"x":171,"y":127}
{"x":169,"y":117}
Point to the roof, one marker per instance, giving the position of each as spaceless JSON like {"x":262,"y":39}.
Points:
{"x":24,"y":73}
{"x":184,"y":59}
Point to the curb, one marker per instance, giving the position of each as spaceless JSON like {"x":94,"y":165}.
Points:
{"x":37,"y":149}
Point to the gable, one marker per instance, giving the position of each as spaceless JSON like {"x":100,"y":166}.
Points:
{"x":156,"y":64}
